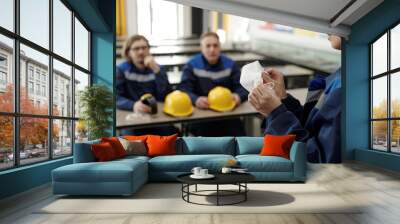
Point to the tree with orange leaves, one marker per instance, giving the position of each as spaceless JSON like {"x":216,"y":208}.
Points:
{"x":33,"y":131}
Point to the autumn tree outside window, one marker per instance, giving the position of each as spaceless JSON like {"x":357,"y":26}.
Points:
{"x":44,"y":64}
{"x":385,"y":91}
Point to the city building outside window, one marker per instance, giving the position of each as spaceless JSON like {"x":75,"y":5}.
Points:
{"x":52,"y":134}
{"x":385,"y":95}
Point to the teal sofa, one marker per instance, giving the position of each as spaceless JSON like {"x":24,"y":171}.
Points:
{"x":125,"y":176}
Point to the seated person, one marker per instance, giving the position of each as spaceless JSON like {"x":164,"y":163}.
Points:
{"x":138,"y":75}
{"x":205,"y":71}
{"x":317,"y":123}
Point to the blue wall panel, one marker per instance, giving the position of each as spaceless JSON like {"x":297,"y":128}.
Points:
{"x":24,"y":178}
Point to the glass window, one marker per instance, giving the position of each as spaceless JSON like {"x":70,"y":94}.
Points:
{"x":33,"y":140}
{"x":81,"y":131}
{"x":7,"y":14}
{"x":34,"y":79}
{"x":62,"y":138}
{"x":40,"y":62}
{"x":37,"y":89}
{"x":7,"y":75}
{"x":43,"y":90}
{"x":37,"y":74}
{"x":395,"y":136}
{"x":30,"y":87}
{"x":62,"y":29}
{"x":35,"y":21}
{"x":379,"y":98}
{"x":3,"y":78}
{"x":30,"y":72}
{"x":164,"y":19}
{"x":379,"y":135}
{"x":395,"y":95}
{"x":62,"y":72}
{"x":81,"y":45}
{"x":81,"y":81}
{"x":395,"y":47}
{"x":379,"y":56}
{"x":385,"y":124}
{"x":3,"y":61}
{"x":6,"y":142}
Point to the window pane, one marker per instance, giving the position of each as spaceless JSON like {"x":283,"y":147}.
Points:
{"x":395,"y":136}
{"x":7,"y":14}
{"x":395,"y":47}
{"x":33,"y":139}
{"x":395,"y":95}
{"x":6,"y":142}
{"x":81,"y":45}
{"x":164,"y":19}
{"x":6,"y":74}
{"x":62,"y":89}
{"x":34,"y":80}
{"x":62,"y":138}
{"x":379,"y":97}
{"x":379,"y":55}
{"x":62,"y":29}
{"x":81,"y":132}
{"x":35,"y":21}
{"x":379,"y":135}
{"x":81,"y":81}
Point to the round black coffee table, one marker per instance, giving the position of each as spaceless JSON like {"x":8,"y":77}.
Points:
{"x":238,"y":179}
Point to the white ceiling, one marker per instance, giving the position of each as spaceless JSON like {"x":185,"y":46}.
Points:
{"x":324,"y":16}
{"x":321,"y":9}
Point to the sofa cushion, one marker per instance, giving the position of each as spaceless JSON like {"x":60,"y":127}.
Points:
{"x":112,"y":171}
{"x":206,"y":145}
{"x":257,"y":163}
{"x":103,"y":152}
{"x":133,"y":158}
{"x":134,"y":147}
{"x":116,"y":145}
{"x":277,"y":145}
{"x":185,"y":163}
{"x":249,"y":145}
{"x":161,"y":145}
{"x":83,"y":152}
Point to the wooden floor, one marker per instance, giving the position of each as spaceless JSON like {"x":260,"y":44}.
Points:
{"x":377,"y":188}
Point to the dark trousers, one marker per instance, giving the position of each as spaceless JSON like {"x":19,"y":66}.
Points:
{"x":162,"y":130}
{"x":229,"y":127}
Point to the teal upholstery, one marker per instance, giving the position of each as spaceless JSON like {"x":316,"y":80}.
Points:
{"x":185,"y":163}
{"x":298,"y":155}
{"x":257,"y":163}
{"x":126,"y":175}
{"x":206,"y":145}
{"x":119,"y":177}
{"x":83,"y":152}
{"x":249,"y":145}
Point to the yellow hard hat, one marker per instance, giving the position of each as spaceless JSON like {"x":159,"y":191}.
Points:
{"x":178,"y":104}
{"x":221,"y":99}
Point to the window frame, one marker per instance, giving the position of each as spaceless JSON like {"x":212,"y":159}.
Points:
{"x":388,"y":74}
{"x":16,"y":114}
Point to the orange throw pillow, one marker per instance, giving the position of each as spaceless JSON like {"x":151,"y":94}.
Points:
{"x":161,"y":145}
{"x":277,"y":145}
{"x":135,"y":138}
{"x":116,"y":145}
{"x":103,"y":152}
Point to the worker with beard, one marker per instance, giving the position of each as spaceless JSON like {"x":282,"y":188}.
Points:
{"x":137,"y":76}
